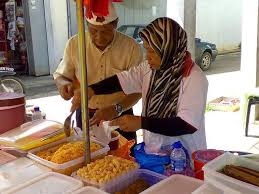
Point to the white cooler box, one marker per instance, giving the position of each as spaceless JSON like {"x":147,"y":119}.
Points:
{"x":212,"y":174}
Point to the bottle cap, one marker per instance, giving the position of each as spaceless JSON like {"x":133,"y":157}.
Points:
{"x":36,"y":109}
{"x":177,"y":144}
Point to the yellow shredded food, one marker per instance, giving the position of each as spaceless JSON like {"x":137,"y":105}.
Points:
{"x":66,"y":152}
{"x":103,"y":170}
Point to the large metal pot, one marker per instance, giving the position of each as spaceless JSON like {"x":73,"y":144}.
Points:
{"x":12,"y":111}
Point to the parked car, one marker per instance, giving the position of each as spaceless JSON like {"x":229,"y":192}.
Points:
{"x":205,"y":52}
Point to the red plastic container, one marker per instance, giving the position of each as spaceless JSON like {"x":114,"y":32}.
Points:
{"x":202,"y":157}
{"x":12,"y":111}
{"x":114,"y":144}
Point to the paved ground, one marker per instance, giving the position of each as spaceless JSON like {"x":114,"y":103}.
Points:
{"x":225,"y":63}
{"x":224,"y":130}
{"x":38,"y":87}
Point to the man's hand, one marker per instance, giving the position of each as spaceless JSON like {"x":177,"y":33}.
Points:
{"x":127,"y":123}
{"x":76,"y":101}
{"x":65,"y":87}
{"x":67,"y":91}
{"x":105,"y":114}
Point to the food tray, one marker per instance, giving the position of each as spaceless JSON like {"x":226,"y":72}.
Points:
{"x":211,"y":172}
{"x":226,"y":104}
{"x":148,"y":176}
{"x":71,"y":166}
{"x":175,"y":184}
{"x":47,"y":183}
{"x":5,"y":157}
{"x":109,"y":186}
{"x":89,"y":190}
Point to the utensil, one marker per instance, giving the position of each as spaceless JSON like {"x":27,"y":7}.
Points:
{"x":67,"y":124}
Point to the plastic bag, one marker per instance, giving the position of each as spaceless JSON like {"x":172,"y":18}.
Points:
{"x":151,"y":162}
{"x":124,"y":150}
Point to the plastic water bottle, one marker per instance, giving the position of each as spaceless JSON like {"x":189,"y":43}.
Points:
{"x":178,"y":157}
{"x":37,"y":114}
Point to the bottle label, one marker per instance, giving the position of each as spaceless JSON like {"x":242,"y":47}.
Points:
{"x":178,"y":165}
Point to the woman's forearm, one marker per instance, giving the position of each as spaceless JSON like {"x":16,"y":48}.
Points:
{"x":107,"y":86}
{"x":174,"y":126}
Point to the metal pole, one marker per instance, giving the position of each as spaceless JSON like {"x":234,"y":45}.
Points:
{"x":83,"y":79}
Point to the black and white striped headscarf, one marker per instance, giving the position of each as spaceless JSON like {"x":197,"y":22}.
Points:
{"x":168,"y":39}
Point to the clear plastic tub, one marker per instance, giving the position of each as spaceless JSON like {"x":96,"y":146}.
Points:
{"x":214,"y":187}
{"x":71,"y":166}
{"x":112,"y":185}
{"x":175,"y":184}
{"x":89,"y":190}
{"x":50,"y":183}
{"x":5,"y":157}
{"x":211,"y":172}
{"x":33,"y":134}
{"x":149,"y":177}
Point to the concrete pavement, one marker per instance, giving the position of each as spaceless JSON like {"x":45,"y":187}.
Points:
{"x":39,"y":87}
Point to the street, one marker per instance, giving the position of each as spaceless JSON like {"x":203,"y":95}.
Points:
{"x":225,"y":63}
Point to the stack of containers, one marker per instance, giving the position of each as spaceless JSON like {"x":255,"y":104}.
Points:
{"x":68,"y":167}
{"x":5,"y":157}
{"x":47,"y":183}
{"x":216,"y":178}
{"x":18,"y":172}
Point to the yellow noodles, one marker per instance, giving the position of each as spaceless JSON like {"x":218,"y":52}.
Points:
{"x":66,"y":152}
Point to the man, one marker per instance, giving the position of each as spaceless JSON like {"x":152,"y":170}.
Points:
{"x":107,"y":53}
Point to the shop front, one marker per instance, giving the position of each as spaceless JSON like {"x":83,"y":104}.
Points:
{"x":13,"y":45}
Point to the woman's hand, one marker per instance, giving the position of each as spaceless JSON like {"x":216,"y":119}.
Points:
{"x":105,"y":114}
{"x":127,"y":123}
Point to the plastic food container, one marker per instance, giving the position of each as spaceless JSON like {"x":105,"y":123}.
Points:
{"x":33,"y":134}
{"x":110,"y":186}
{"x":114,"y":143}
{"x":18,"y":172}
{"x":15,"y":152}
{"x":148,"y":176}
{"x":11,"y":104}
{"x":211,"y":172}
{"x":50,"y":183}
{"x":214,"y":187}
{"x":5,"y":157}
{"x":175,"y":184}
{"x":202,"y":157}
{"x":89,"y":190}
{"x":71,"y":166}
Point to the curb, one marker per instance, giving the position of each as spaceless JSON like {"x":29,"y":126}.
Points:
{"x":229,"y":52}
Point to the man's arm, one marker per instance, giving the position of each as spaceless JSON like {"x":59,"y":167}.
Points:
{"x":65,"y":73}
{"x":127,"y":102}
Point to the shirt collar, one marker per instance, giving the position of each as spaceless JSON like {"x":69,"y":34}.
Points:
{"x":108,"y":47}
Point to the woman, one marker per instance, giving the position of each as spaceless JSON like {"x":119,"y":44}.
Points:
{"x":174,"y":90}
